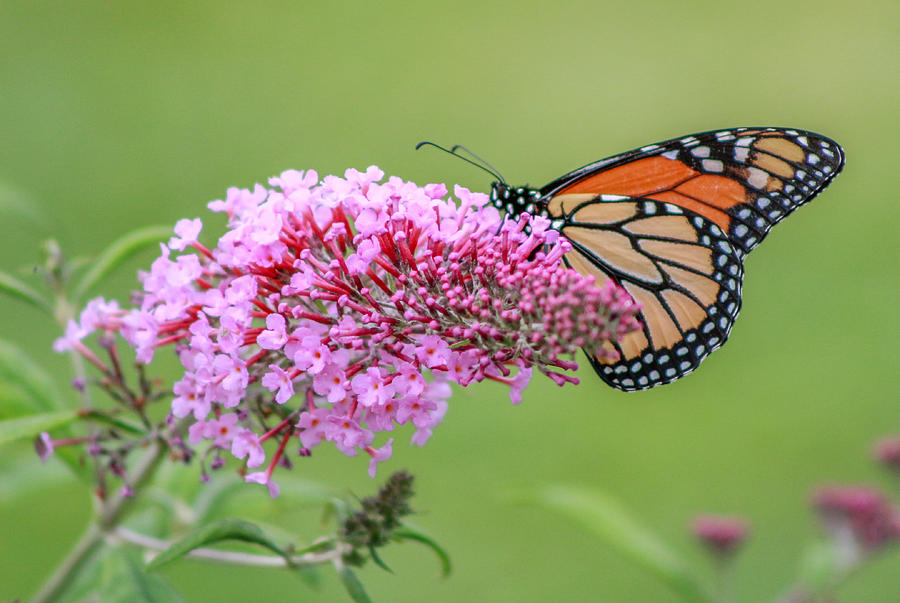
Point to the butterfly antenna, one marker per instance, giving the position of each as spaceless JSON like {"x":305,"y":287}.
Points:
{"x":483,"y":161}
{"x":483,"y":165}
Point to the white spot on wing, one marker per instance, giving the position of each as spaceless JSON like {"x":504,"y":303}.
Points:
{"x":670,"y":155}
{"x":712,"y":165}
{"x":700,"y":152}
{"x":756,"y":177}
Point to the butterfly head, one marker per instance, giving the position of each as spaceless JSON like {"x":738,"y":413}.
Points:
{"x":515,"y":200}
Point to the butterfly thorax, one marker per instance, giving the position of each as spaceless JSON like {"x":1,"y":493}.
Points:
{"x":517,"y":200}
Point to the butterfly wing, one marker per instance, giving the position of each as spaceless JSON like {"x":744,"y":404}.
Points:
{"x":671,"y":223}
{"x":745,"y":180}
{"x":679,"y":265}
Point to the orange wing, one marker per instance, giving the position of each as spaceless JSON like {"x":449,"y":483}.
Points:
{"x":676,"y":263}
{"x":744,"y":180}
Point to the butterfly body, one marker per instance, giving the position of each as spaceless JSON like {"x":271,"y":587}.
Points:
{"x":672,"y":223}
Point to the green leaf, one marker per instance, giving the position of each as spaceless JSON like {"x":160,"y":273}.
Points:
{"x":225,"y":495}
{"x":310,"y":576}
{"x":352,"y":584}
{"x":24,"y":473}
{"x":224,"y":529}
{"x":19,"y":290}
{"x":17,"y":368}
{"x":619,"y":528}
{"x":379,"y":561}
{"x":115,"y":421}
{"x":39,"y":392}
{"x":408,"y":532}
{"x":86,"y":583}
{"x":31,"y":425}
{"x":14,"y":402}
{"x":123,"y":580}
{"x":118,"y":252}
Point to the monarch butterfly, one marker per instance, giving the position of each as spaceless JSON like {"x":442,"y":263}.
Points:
{"x":671,"y":222}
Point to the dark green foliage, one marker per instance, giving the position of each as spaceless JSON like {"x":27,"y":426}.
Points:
{"x":373,"y":525}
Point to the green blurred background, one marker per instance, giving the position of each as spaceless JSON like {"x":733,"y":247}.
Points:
{"x":117,"y":115}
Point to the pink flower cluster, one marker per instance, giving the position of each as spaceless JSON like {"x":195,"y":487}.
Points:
{"x":334,"y":311}
{"x":861,"y":520}
{"x":887,"y":452}
{"x":722,"y":535}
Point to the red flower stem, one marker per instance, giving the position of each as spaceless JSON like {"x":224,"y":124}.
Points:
{"x":277,"y":428}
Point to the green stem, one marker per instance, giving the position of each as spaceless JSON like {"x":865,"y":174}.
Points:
{"x":236,"y":558}
{"x":70,"y":567}
{"x":108,"y":516}
{"x":725,"y":579}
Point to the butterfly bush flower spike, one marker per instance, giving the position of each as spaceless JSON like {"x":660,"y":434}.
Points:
{"x":887,"y":452}
{"x":336,"y":309}
{"x":859,"y":520}
{"x":721,"y":535}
